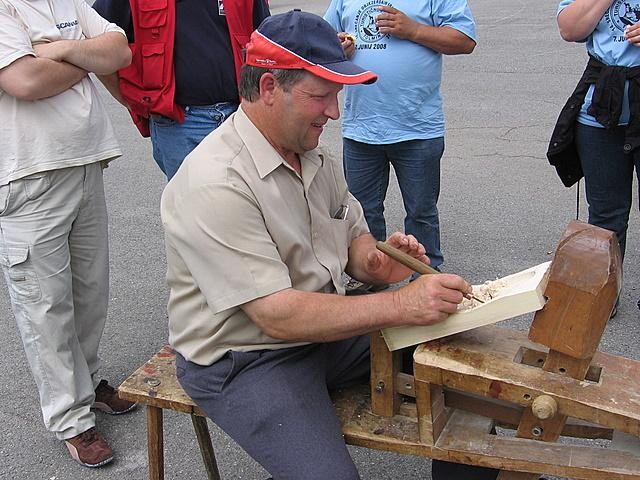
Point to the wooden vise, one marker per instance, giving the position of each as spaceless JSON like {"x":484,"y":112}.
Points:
{"x":553,"y":383}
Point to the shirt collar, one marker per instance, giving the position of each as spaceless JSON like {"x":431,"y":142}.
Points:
{"x":263,"y":155}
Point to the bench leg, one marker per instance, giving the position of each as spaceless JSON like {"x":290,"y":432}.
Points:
{"x":155,"y":443}
{"x":206,"y":448}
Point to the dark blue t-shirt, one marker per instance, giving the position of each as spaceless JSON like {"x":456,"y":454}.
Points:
{"x":203,"y":59}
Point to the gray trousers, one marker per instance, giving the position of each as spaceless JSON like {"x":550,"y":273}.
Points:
{"x":54,"y":254}
{"x":276,"y":404}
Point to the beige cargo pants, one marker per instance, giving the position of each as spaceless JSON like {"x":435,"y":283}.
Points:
{"x":54,"y":254}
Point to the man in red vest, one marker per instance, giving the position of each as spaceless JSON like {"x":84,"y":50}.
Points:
{"x":182,"y":83}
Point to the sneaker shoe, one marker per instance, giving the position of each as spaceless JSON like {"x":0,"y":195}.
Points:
{"x":89,"y":449}
{"x":108,"y":401}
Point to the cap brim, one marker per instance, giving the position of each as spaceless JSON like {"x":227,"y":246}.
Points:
{"x":345,"y":72}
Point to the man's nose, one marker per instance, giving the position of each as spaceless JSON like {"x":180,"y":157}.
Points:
{"x":333,"y":109}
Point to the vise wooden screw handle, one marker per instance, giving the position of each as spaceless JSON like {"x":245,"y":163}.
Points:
{"x":544,"y":407}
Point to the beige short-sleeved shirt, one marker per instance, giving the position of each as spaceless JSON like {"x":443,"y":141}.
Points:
{"x":240,"y":224}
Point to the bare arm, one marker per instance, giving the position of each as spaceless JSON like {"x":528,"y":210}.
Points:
{"x":103,"y":55}
{"x":580,"y":18}
{"x":444,"y":39}
{"x":293,"y":315}
{"x":32,"y":78}
{"x":111,"y":83}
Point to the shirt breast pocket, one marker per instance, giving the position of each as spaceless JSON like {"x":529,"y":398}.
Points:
{"x":339,"y":231}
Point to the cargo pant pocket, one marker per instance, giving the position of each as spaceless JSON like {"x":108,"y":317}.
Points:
{"x":4,"y":197}
{"x":22,"y":280}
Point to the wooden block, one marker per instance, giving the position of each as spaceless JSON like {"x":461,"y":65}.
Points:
{"x":385,"y":366}
{"x":432,"y":414}
{"x":518,"y":294}
{"x":584,"y":281}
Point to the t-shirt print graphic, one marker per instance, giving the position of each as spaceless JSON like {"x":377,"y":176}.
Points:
{"x":624,"y":13}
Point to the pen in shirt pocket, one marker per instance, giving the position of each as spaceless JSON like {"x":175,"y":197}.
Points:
{"x":341,"y":213}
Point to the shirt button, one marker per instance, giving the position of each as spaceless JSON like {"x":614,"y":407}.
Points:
{"x":627,"y":147}
{"x":315,"y":234}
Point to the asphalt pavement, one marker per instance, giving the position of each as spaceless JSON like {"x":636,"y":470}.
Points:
{"x":502,"y":210}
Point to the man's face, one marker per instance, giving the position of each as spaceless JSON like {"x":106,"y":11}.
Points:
{"x":303,"y":112}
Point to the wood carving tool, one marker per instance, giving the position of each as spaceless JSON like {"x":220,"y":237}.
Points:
{"x":413,"y":263}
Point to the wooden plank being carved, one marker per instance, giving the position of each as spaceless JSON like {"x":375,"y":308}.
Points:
{"x":507,"y":297}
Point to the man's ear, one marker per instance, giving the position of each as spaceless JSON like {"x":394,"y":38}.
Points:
{"x":268,"y":86}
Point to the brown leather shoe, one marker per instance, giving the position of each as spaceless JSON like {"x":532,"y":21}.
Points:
{"x":108,"y":401}
{"x":89,"y":448}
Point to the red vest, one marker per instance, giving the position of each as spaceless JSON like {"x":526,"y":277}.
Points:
{"x":148,"y":85}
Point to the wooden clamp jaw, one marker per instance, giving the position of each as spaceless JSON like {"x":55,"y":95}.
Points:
{"x":584,"y":282}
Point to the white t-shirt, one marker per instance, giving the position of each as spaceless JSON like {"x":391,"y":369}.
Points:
{"x":65,"y":130}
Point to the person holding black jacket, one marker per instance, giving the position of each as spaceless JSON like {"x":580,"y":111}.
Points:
{"x":598,"y":131}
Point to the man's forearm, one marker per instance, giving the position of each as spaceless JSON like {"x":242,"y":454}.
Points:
{"x":103,"y":55}
{"x":443,"y":39}
{"x":298,"y":316}
{"x":578,"y":20}
{"x":32,"y":78}
{"x":446,"y":40}
{"x":111,"y":83}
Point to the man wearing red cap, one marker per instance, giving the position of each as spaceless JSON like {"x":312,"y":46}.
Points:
{"x":259,"y":228}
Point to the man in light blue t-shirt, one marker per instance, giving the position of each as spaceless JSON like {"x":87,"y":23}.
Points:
{"x":399,"y":120}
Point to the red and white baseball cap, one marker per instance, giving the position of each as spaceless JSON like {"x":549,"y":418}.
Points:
{"x":302,"y":40}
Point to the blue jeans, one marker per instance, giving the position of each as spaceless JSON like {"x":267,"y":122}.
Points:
{"x":417,"y":167}
{"x":172,"y":141}
{"x":608,"y":178}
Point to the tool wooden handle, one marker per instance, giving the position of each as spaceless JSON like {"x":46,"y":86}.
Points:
{"x":405,"y":259}
{"x":413,"y":263}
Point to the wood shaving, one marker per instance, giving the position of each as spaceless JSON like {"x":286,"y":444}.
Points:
{"x":485,"y":292}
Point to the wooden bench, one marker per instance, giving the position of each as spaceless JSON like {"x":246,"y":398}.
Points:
{"x":155,"y":386}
